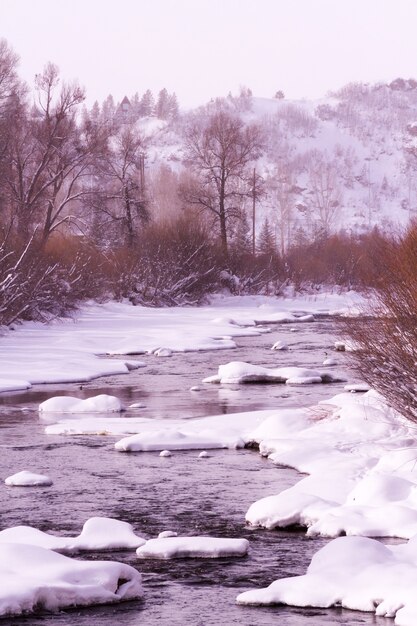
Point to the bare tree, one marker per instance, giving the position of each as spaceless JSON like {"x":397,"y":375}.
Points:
{"x":282,"y":191}
{"x":11,"y":92}
{"x":219,"y":148}
{"x":120,"y":196}
{"x":326,"y":193}
{"x":47,"y":157}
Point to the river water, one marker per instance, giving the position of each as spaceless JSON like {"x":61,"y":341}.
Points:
{"x":183,"y":493}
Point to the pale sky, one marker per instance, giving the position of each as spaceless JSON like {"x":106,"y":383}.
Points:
{"x":205,"y":48}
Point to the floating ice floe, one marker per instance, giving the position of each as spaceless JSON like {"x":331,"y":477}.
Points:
{"x":192,"y":547}
{"x":238,"y":372}
{"x":68,"y":404}
{"x":98,"y":533}
{"x":28,"y":479}
{"x":353,"y":572}
{"x":32,"y":578}
{"x":172,"y":439}
{"x":165,"y":453}
{"x":329,"y":361}
{"x":203,"y":455}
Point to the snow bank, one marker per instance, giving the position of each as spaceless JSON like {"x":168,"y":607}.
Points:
{"x":224,"y":430}
{"x":98,"y":533}
{"x":32,"y":578}
{"x":67,"y":350}
{"x":237,"y":372}
{"x":355,"y":573}
{"x":68,"y":404}
{"x":192,"y":547}
{"x":371,"y":452}
{"x":28,"y":479}
{"x":171,"y":439}
{"x":9,"y":384}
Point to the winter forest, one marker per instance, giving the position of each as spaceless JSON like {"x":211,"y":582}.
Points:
{"x":138,"y":199}
{"x":141,"y":243}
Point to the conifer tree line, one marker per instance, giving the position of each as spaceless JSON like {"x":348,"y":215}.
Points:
{"x":87,"y":211}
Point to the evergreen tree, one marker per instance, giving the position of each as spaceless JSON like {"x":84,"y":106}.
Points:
{"x":135,"y":107}
{"x":162,"y":105}
{"x":147,"y":104}
{"x":108,"y":110}
{"x":95,"y":113}
{"x":266,"y":240}
{"x":173,"y":107}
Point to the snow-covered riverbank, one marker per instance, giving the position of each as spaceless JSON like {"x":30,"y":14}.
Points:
{"x":68,"y":350}
{"x":359,"y":455}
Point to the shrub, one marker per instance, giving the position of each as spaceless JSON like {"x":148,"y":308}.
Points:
{"x":386,"y":338}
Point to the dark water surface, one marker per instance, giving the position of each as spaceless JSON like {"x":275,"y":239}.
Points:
{"x":183,"y":493}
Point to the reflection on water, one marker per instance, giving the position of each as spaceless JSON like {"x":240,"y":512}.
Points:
{"x":182,"y":493}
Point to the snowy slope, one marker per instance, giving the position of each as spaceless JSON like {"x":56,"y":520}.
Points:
{"x":353,"y":150}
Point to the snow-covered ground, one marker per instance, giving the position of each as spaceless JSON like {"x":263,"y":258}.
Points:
{"x":359,"y":456}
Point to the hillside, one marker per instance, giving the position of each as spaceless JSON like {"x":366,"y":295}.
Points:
{"x":347,"y":162}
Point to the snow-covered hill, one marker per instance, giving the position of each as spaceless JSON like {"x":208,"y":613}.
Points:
{"x":347,"y":162}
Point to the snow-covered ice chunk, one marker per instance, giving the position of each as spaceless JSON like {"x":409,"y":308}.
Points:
{"x":356,"y":573}
{"x":167,"y":533}
{"x":165,"y":453}
{"x":282,"y":317}
{"x":279,"y":345}
{"x":195,"y":388}
{"x":161,"y":352}
{"x":98,"y":533}
{"x":102,"y":403}
{"x":192,"y":547}
{"x":172,"y":439}
{"x":134,"y":365}
{"x":329,"y":361}
{"x":203,"y":455}
{"x":32,"y":577}
{"x":28,"y":479}
{"x":340,"y":346}
{"x":237,"y":372}
{"x":359,"y":387}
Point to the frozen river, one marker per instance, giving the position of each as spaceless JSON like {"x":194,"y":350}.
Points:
{"x":182,"y":493}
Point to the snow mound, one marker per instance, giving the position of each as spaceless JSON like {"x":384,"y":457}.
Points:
{"x":32,"y":578}
{"x":356,"y":573}
{"x":28,"y":479}
{"x":238,"y":372}
{"x":98,"y":533}
{"x":68,"y":404}
{"x":192,"y":547}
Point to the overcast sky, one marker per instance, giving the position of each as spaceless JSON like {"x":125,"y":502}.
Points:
{"x":206,"y":48}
